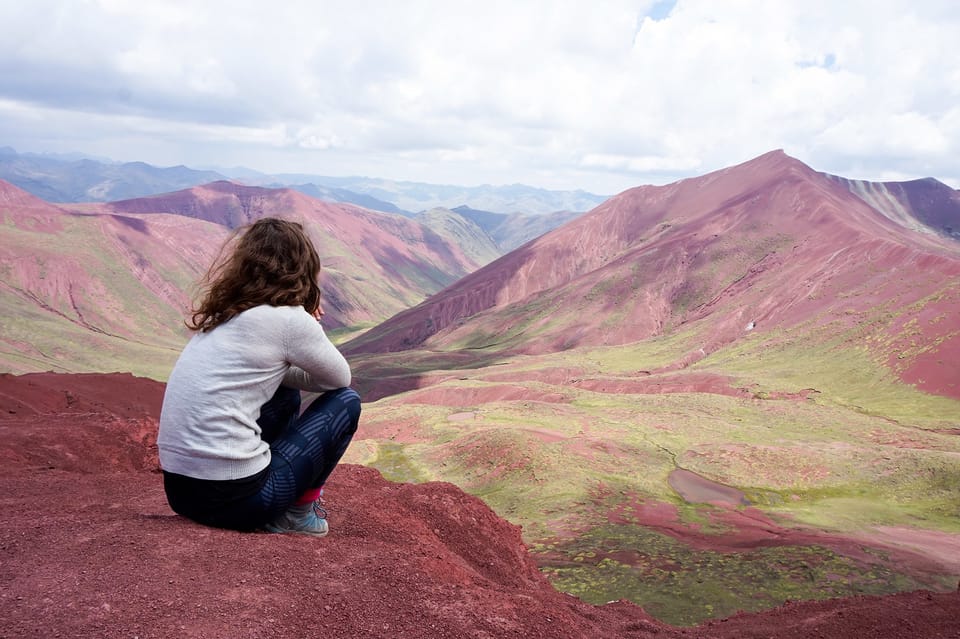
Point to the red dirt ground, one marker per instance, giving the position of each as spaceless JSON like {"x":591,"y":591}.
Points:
{"x":89,"y":548}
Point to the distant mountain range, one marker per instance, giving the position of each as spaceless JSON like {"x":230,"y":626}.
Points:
{"x":56,"y":179}
{"x":76,"y":179}
{"x":515,"y":214}
{"x":418,"y":196}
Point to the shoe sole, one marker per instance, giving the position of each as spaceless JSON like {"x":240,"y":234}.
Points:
{"x":283,"y":531}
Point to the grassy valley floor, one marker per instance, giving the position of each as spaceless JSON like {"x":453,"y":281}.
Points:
{"x":850,"y":480}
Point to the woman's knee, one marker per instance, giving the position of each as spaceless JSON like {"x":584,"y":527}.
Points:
{"x":346,"y":396}
{"x":343,"y":401}
{"x":350,"y":397}
{"x":351,"y":401}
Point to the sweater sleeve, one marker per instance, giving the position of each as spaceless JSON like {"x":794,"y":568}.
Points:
{"x":315,"y":363}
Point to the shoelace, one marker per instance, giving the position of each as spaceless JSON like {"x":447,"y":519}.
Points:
{"x":319,"y":510}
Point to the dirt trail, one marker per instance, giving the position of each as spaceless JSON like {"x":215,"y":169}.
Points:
{"x":89,"y":548}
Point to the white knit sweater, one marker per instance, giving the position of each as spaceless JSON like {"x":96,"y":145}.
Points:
{"x":208,"y":423}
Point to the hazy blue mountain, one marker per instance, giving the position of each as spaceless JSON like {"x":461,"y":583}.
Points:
{"x":420,"y":196}
{"x":516,"y":229}
{"x":74,"y":178}
{"x":54,"y":179}
{"x":333,"y":194}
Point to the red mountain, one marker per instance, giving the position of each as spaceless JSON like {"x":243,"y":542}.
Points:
{"x":377,"y":264}
{"x":766,"y":244}
{"x":99,"y":292}
{"x":101,"y":287}
{"x":924,"y":205}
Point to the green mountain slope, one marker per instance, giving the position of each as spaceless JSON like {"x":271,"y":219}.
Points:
{"x":473,"y":241}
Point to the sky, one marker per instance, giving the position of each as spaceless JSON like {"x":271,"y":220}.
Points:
{"x":599,"y":95}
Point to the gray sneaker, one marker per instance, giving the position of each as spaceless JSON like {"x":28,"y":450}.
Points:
{"x":306,"y":519}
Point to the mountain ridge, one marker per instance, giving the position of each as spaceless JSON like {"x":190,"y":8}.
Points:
{"x":769,"y":242}
{"x":358,"y":245}
{"x":79,"y":279}
{"x":925,"y":205}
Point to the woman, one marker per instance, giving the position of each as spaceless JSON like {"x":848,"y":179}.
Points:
{"x":236,"y":451}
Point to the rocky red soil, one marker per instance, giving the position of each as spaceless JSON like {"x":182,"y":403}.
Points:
{"x":89,"y":548}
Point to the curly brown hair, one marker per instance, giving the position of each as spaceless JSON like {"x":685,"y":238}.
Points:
{"x":273,"y":262}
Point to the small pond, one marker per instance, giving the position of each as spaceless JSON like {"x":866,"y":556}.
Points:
{"x":696,"y":489}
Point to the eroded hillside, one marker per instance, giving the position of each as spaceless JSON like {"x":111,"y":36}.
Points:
{"x":105,"y":287}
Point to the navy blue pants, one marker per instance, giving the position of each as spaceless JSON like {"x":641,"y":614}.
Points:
{"x":304,"y":450}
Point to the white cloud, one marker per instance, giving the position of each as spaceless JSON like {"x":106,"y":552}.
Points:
{"x":600,"y":96}
{"x":640,"y":164}
{"x":896,"y":134}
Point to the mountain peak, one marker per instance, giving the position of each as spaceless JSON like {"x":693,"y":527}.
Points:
{"x":769,"y":164}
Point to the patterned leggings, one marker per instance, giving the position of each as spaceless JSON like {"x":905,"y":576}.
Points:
{"x":304,"y":449}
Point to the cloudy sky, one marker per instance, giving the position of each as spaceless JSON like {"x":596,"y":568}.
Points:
{"x":599,"y":95}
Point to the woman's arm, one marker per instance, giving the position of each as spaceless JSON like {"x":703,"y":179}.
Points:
{"x":315,"y":363}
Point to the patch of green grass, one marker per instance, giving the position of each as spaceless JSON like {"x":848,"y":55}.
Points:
{"x":914,"y":488}
{"x":648,"y":355}
{"x":346,"y":333}
{"x":33,"y":340}
{"x":684,"y":587}
{"x":844,"y":371}
{"x":393,"y":463}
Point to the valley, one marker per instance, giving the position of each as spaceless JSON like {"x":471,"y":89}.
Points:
{"x":580,"y":452}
